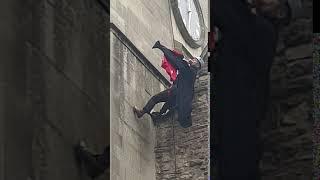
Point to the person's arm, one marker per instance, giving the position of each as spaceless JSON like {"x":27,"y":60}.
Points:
{"x":178,"y":63}
{"x":174,"y":60}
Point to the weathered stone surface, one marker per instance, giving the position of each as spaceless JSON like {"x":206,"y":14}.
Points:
{"x":298,"y":32}
{"x":287,"y":132}
{"x":132,"y":138}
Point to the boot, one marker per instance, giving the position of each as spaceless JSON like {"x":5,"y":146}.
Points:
{"x":157,"y":45}
{"x":138,"y":112}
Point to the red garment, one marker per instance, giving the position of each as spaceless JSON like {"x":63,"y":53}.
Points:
{"x":172,"y":72}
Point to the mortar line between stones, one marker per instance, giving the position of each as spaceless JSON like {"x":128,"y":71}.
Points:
{"x":301,"y":58}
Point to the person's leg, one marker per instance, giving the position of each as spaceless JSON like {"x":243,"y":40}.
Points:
{"x":163,"y":111}
{"x":171,"y":102}
{"x":169,"y":54}
{"x":165,"y":107}
{"x":160,"y":97}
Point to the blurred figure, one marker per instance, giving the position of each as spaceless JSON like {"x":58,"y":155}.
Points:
{"x":243,"y":62}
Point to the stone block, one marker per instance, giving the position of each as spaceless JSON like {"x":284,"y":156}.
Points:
{"x":301,"y":51}
{"x":300,"y":68}
{"x":131,"y":174}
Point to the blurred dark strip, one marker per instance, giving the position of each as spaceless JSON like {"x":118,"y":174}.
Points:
{"x":105,"y":5}
{"x":316,"y":14}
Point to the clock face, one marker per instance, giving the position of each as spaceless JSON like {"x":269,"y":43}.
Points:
{"x":190,"y":17}
{"x":190,"y":21}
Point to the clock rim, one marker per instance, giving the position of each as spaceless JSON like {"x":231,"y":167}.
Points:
{"x":182,"y":28}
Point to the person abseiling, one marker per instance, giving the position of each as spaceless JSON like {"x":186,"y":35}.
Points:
{"x":180,"y":94}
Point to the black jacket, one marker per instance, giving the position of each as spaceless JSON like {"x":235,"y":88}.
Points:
{"x":185,"y":90}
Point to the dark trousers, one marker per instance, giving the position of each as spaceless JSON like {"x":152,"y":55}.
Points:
{"x":168,"y":96}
